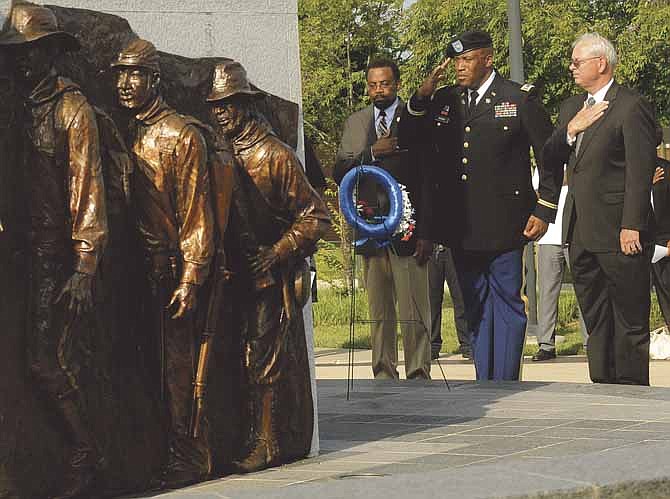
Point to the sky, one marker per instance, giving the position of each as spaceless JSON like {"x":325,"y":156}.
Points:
{"x":407,"y":3}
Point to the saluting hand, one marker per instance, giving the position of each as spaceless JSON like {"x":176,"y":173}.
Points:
{"x":535,"y":228}
{"x":429,"y":85}
{"x":586,"y":117}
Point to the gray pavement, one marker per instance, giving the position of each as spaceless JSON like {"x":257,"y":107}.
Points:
{"x":419,"y":439}
{"x":332,"y":364}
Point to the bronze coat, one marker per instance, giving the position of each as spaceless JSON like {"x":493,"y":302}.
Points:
{"x":172,"y":194}
{"x":66,"y":199}
{"x":280,"y":179}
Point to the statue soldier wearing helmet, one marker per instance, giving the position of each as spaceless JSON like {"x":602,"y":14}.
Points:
{"x":64,"y":223}
{"x":171,"y":196}
{"x":276,"y":220}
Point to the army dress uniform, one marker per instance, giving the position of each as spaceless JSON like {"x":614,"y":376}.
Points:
{"x":481,"y":172}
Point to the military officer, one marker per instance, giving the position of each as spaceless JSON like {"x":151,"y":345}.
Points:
{"x":478,"y":136}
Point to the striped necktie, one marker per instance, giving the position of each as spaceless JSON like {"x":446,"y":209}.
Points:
{"x":382,"y":126}
{"x":590,"y":102}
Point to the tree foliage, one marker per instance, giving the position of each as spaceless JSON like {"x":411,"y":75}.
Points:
{"x":338,"y":38}
{"x":638,"y":28}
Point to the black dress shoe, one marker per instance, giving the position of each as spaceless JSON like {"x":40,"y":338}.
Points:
{"x":465,"y":351}
{"x":542,"y":354}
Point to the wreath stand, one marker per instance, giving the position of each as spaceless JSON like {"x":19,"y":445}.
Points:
{"x":380,"y":232}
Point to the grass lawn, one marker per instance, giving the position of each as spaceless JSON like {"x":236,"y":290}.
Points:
{"x":333,"y":310}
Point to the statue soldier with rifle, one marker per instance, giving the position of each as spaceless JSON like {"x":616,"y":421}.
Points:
{"x":171,"y":197}
{"x":62,"y":219}
{"x":276,"y":220}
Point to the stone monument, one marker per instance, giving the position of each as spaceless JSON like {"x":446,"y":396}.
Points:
{"x":113,"y":357}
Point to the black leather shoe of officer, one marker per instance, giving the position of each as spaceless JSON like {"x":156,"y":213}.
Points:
{"x":435,"y":352}
{"x":466,"y":352}
{"x":542,"y":354}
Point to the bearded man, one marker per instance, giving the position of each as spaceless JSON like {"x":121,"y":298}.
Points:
{"x":276,"y":220}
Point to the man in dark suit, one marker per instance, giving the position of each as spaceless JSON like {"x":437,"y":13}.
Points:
{"x":607,"y":138}
{"x":660,"y":270}
{"x":396,"y":273}
{"x":477,"y":136}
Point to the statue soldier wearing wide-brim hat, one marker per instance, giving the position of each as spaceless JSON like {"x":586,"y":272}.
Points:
{"x":171,"y":198}
{"x":65,"y":224}
{"x":276,"y":221}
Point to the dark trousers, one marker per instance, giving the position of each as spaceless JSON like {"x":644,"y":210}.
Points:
{"x":660,"y":273}
{"x":613,"y":294}
{"x":491,"y":286}
{"x":441,"y":268}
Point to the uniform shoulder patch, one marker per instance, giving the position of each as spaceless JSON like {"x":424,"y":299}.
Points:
{"x":527,"y":87}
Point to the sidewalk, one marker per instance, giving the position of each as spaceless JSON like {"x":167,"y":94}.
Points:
{"x":394,"y":440}
{"x":556,"y":435}
{"x":332,"y":364}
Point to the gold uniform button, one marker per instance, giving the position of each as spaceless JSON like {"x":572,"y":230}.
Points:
{"x":465,"y":161}
{"x":466,"y":145}
{"x":439,"y":124}
{"x":516,"y":193}
{"x":467,"y":128}
{"x":464,"y":177}
{"x":505,"y":127}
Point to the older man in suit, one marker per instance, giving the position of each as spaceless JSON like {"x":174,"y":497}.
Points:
{"x":396,"y":273}
{"x":607,"y":137}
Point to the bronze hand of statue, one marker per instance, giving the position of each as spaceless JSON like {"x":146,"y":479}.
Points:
{"x":185,"y":296}
{"x":79,"y":289}
{"x":263,"y":261}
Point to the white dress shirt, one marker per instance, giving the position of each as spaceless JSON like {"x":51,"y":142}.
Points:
{"x":599,"y":96}
{"x":483,"y":87}
{"x":554,"y":232}
{"x":390,"y":113}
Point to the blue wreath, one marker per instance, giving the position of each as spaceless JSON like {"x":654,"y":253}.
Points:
{"x":379,"y":232}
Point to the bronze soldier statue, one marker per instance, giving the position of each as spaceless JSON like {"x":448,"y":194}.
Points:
{"x":276,"y":220}
{"x":171,"y":196}
{"x":64,"y":222}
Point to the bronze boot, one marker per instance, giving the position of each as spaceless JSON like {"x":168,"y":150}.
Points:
{"x":189,"y":462}
{"x":263,"y":450}
{"x":84,"y":458}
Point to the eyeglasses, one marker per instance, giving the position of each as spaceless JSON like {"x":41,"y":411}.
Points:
{"x":576,"y":63}
{"x":372,"y":85}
